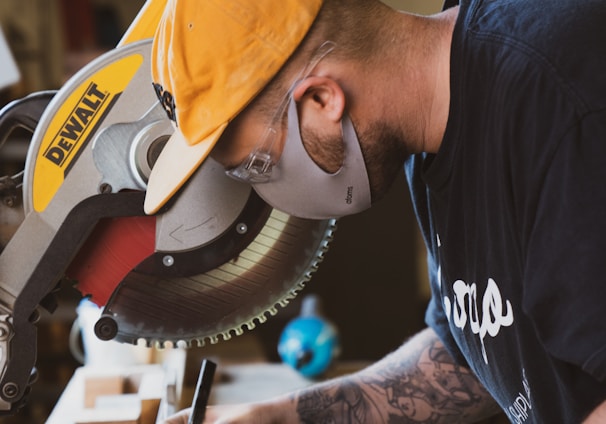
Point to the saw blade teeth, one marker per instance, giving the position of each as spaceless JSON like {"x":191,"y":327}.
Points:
{"x":260,"y":316}
{"x":295,"y":291}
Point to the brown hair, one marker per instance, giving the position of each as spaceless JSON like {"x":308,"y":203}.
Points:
{"x":352,"y":24}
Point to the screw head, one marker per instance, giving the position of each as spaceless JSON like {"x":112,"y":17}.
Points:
{"x":168,"y":260}
{"x":241,"y":228}
{"x":10,"y":390}
{"x":105,"y":188}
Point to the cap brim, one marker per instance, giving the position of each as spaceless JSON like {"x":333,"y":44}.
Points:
{"x":176,"y":163}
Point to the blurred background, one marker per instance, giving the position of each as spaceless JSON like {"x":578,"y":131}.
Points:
{"x":372,"y":284}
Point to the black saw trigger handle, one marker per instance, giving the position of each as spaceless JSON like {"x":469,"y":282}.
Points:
{"x":24,"y":113}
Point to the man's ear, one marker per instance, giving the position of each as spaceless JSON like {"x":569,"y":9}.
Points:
{"x":321,"y":97}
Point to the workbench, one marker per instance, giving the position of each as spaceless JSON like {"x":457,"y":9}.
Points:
{"x":233,"y":384}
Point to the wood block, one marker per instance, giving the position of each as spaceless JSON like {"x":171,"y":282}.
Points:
{"x":95,"y":386}
{"x":149,"y":410}
{"x":151,"y":390}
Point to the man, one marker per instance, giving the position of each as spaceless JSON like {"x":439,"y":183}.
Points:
{"x":498,"y":111}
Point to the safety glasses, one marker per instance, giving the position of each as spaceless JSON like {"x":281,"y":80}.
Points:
{"x":257,"y":166}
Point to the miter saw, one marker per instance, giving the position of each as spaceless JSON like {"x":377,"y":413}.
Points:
{"x":214,"y":262}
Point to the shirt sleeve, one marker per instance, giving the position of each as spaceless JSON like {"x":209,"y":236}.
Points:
{"x":565,"y":287}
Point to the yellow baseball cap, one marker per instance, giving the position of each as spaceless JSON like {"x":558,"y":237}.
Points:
{"x":210,"y":58}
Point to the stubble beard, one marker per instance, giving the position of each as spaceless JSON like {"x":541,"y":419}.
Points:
{"x":382,"y":149}
{"x":384,"y":154}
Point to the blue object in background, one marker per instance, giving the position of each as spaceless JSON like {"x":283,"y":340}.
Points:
{"x":309,"y":343}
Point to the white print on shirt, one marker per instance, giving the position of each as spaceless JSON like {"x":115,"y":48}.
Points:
{"x":518,"y":411}
{"x":464,"y":305}
{"x":464,"y":308}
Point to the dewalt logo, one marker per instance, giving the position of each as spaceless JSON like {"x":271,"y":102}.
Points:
{"x":79,"y":123}
{"x":83,"y":112}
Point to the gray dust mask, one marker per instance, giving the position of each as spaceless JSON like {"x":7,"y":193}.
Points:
{"x":299,"y":187}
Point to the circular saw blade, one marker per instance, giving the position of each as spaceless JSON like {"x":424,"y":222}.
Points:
{"x":226,"y":300}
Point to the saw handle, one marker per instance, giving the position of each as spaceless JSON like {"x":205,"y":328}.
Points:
{"x":23,"y":113}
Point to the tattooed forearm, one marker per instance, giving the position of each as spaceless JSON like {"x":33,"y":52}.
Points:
{"x":419,"y":383}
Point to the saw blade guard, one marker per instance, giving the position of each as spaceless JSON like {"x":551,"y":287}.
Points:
{"x":226,"y":300}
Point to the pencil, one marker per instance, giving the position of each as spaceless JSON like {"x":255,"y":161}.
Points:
{"x":205,"y":380}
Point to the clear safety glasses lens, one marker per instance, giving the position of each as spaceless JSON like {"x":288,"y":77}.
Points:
{"x":257,"y":167}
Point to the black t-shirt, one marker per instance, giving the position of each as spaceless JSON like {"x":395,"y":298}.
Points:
{"x":513,"y":206}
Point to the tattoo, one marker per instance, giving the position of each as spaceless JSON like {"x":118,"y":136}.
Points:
{"x":423,"y":385}
{"x":319,"y":408}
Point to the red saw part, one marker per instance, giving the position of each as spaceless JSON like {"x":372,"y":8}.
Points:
{"x":112,"y":250}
